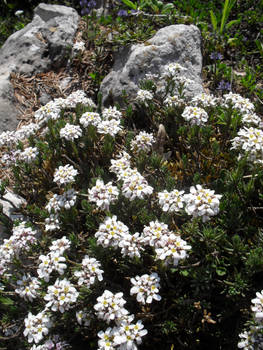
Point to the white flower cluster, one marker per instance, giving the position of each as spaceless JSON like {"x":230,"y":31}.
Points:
{"x":172,"y":248}
{"x":90,"y":272}
{"x":146,"y":287}
{"x":109,"y":306}
{"x":53,"y":261}
{"x":174,"y":101}
{"x":61,"y":296}
{"x":257,"y":308}
{"x":52,"y":223}
{"x":103,"y":194}
{"x":84,"y":317}
{"x":60,"y":245}
{"x":70,"y":132}
{"x":253,"y":338}
{"x":65,"y":200}
{"x":26,"y":130}
{"x":36,"y":326}
{"x":52,"y":343}
{"x":120,"y":164}
{"x":10,"y":158}
{"x":134,"y":185}
{"x":251,"y":118}
{"x":195,"y":115}
{"x":115,"y":234}
{"x":8,"y":138}
{"x":173,"y":69}
{"x":110,"y":232}
{"x":125,"y":336}
{"x":28,"y":287}
{"x":171,"y":201}
{"x":20,"y":240}
{"x":78,"y":97}
{"x":90,"y":118}
{"x":250,"y":140}
{"x":241,"y":104}
{"x":168,"y":247}
{"x":79,"y":46}
{"x":29,"y":154}
{"x":204,"y":100}
{"x":201,"y":202}
{"x":65,"y":174}
{"x":51,"y":110}
{"x":111,"y":127}
{"x":49,"y":263}
{"x":144,"y":96}
{"x":143,"y":142}
{"x":111,"y":113}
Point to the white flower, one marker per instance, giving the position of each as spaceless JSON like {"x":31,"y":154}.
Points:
{"x":174,"y":101}
{"x":70,"y":132}
{"x":103,"y":195}
{"x":154,"y":233}
{"x":250,"y":140}
{"x":241,"y":104}
{"x":29,"y":154}
{"x":204,"y":100}
{"x":172,"y":249}
{"x":135,"y":186}
{"x":60,"y":245}
{"x":36,"y":326}
{"x":61,"y":296}
{"x":171,"y":201}
{"x":195,"y":115}
{"x":131,"y":245}
{"x":78,"y":46}
{"x":111,"y":127}
{"x":202,"y":202}
{"x":121,"y":163}
{"x":172,"y":69}
{"x":143,"y":142}
{"x":50,"y":111}
{"x":26,"y":130}
{"x":84,"y":317}
{"x":77,"y":97}
{"x":19,"y":12}
{"x":90,"y":271}
{"x":110,"y":233}
{"x":251,"y":118}
{"x":65,"y":174}
{"x":90,"y":118}
{"x":109,"y":306}
{"x":8,"y":138}
{"x":258,"y":307}
{"x":111,"y":113}
{"x":27,"y":287}
{"x":52,"y":223}
{"x":146,"y":287}
{"x":144,"y":96}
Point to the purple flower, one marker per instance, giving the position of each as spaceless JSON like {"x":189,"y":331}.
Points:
{"x":216,"y":56}
{"x":224,"y":85}
{"x":122,"y":13}
{"x":92,"y":4}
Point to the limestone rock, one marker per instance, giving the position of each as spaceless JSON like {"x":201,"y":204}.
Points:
{"x":173,"y":44}
{"x":40,"y":46}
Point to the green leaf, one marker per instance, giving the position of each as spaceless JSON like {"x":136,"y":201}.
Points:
{"x":6,"y":301}
{"x":130,"y":4}
{"x":213,"y":20}
{"x":231,"y":23}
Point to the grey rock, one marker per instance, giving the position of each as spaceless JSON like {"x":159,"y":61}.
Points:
{"x":44,"y":98}
{"x":42,"y":45}
{"x":173,"y":44}
{"x":11,"y":203}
